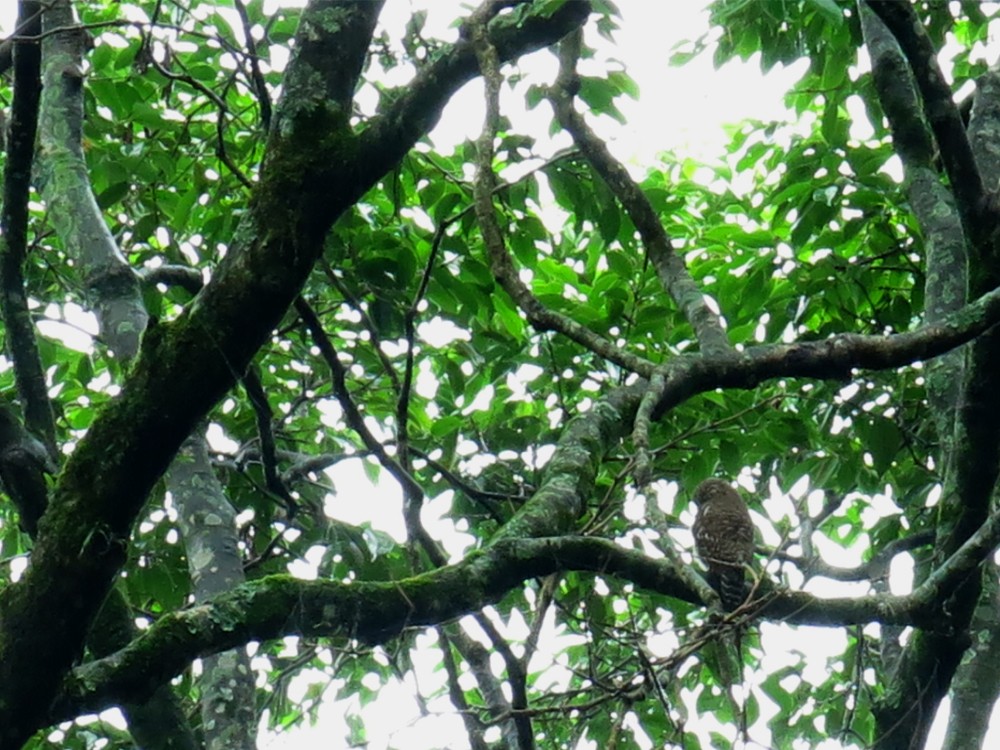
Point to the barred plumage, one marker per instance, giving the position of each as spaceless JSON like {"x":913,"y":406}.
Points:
{"x":723,"y":537}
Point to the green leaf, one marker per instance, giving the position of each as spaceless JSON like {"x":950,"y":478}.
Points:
{"x":829,"y":9}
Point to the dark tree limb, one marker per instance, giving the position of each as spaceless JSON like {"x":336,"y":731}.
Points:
{"x":490,"y":687}
{"x":187,"y":278}
{"x":22,"y":345}
{"x":947,"y":264}
{"x":473,"y":726}
{"x":975,"y":686}
{"x":374,"y":612}
{"x":256,"y":76}
{"x":264,"y":418}
{"x":413,"y":493}
{"x":979,"y":215}
{"x":28,"y":24}
{"x":959,"y":386}
{"x":313,"y":171}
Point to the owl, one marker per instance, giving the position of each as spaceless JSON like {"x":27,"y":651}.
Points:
{"x":723,"y":537}
{"x":24,"y":462}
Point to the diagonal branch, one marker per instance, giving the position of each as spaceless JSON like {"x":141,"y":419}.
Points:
{"x":833,"y":359}
{"x":314,"y":170}
{"x":264,"y":418}
{"x":669,"y":265}
{"x":413,"y":493}
{"x":966,"y":559}
{"x":373,"y":612}
{"x":541,"y":317}
{"x":416,"y":110}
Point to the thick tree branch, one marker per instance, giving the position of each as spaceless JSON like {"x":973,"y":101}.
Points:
{"x":834,"y":358}
{"x":157,"y":722}
{"x":65,"y":185}
{"x":969,"y":443}
{"x":207,"y":522}
{"x":946,"y":285}
{"x":983,"y":119}
{"x":187,"y":278}
{"x":28,"y":24}
{"x":975,"y":686}
{"x":977,"y":682}
{"x":966,"y":182}
{"x":966,"y":559}
{"x":374,"y":612}
{"x":314,"y":170}
{"x":389,"y":135}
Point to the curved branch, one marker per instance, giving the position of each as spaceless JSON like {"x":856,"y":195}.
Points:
{"x":314,"y":170}
{"x":264,"y":418}
{"x":187,"y":278}
{"x":834,"y":358}
{"x":66,"y":187}
{"x":256,"y":76}
{"x":389,"y":135}
{"x":669,"y":265}
{"x":375,"y":612}
{"x":501,"y":265}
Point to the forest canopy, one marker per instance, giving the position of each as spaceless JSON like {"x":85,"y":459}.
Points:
{"x":245,"y":298}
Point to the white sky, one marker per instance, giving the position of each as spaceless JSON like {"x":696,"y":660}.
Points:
{"x":679,"y":110}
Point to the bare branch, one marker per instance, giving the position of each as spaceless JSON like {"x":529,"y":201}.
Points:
{"x":669,"y":265}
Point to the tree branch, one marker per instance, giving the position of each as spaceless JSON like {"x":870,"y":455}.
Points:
{"x":945,"y":120}
{"x":504,"y":271}
{"x":834,"y":358}
{"x":670,"y":267}
{"x":947,"y":266}
{"x":389,"y":135}
{"x":373,"y":612}
{"x":22,"y":346}
{"x":314,"y":170}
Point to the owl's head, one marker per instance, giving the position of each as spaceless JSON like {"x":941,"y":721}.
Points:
{"x":712,"y":489}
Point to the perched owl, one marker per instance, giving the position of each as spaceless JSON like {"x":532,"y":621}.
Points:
{"x":723,"y":536}
{"x":24,"y":462}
